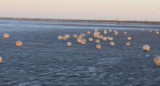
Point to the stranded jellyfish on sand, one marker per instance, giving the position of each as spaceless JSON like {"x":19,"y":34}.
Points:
{"x":83,"y":41}
{"x":116,"y":33}
{"x":64,"y":38}
{"x":97,"y":41}
{"x":110,"y":38}
{"x":75,"y":36}
{"x":157,"y":32}
{"x":146,"y":48}
{"x":129,"y":38}
{"x":112,"y":43}
{"x":100,"y":36}
{"x":105,"y":31}
{"x":19,"y":43}
{"x":104,"y":38}
{"x":125,"y":33}
{"x":69,"y":44}
{"x":157,"y":61}
{"x":90,"y":39}
{"x":95,"y":34}
{"x":6,"y":35}
{"x":88,"y":32}
{"x":67,"y":36}
{"x":128,"y":43}
{"x":79,"y":40}
{"x":60,"y":37}
{"x":0,"y":59}
{"x":98,"y":46}
{"x":82,"y":34}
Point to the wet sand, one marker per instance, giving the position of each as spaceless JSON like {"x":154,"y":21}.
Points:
{"x":43,"y":60}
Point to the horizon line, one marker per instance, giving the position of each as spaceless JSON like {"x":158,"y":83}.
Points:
{"x":79,"y":20}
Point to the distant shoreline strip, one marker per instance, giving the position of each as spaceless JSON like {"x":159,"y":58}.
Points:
{"x":78,"y":20}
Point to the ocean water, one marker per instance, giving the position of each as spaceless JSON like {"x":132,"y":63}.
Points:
{"x":45,"y":61}
{"x":20,"y":25}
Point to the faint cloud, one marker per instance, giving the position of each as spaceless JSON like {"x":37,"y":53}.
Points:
{"x":158,"y":8}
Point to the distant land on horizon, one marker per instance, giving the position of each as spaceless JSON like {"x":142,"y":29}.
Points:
{"x":79,"y":20}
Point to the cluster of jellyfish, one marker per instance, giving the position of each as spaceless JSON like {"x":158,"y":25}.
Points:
{"x":18,"y":43}
{"x":97,"y":35}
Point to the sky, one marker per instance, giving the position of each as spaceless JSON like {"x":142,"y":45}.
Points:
{"x":82,"y":9}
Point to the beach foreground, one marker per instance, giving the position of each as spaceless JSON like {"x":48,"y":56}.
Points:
{"x":43,"y":60}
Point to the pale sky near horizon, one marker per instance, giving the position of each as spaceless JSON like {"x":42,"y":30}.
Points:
{"x":82,"y":9}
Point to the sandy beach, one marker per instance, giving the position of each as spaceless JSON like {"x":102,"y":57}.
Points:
{"x":43,"y":60}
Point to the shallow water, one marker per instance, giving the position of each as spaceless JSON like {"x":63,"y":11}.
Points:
{"x":45,"y":61}
{"x":20,"y":25}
